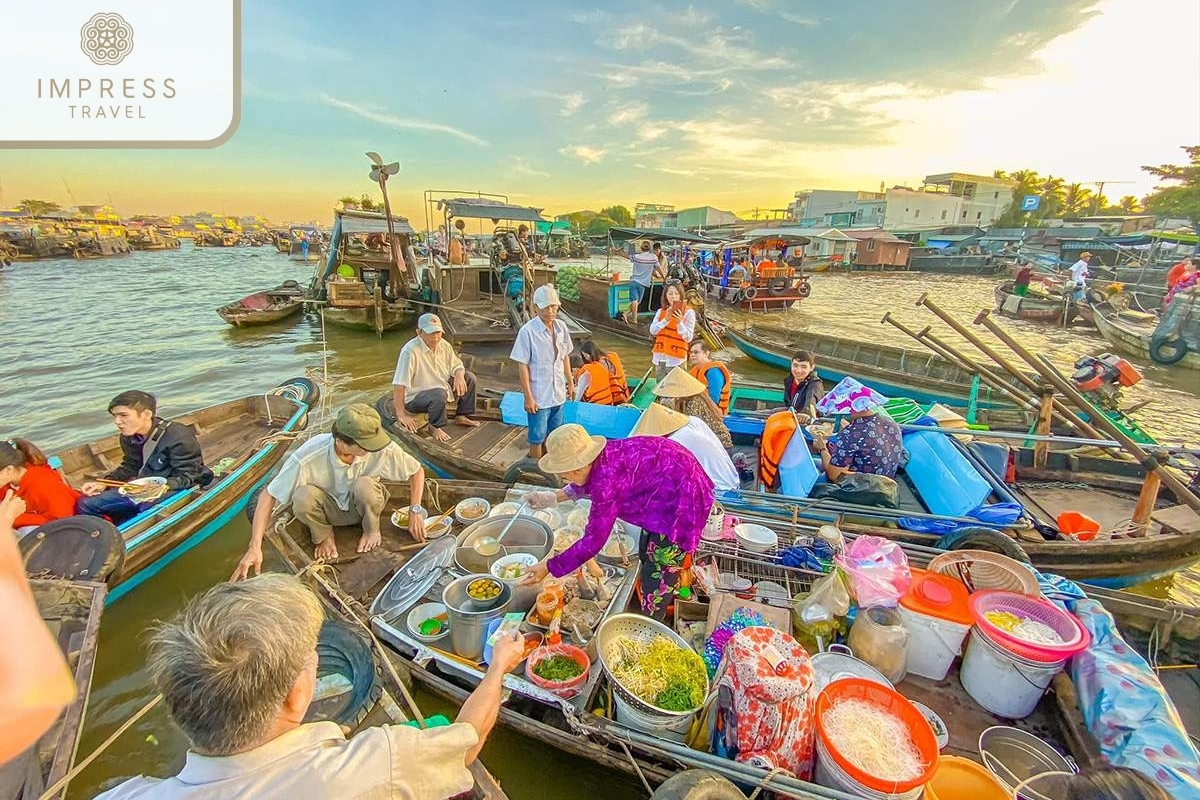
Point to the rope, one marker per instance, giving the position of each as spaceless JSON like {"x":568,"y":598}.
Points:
{"x":767,"y":779}
{"x":81,"y":765}
{"x":636,"y":767}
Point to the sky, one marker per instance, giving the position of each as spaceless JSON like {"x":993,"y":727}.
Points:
{"x":731,"y":103}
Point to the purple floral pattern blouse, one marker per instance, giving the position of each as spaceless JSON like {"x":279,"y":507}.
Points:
{"x":868,"y":444}
{"x":647,"y":481}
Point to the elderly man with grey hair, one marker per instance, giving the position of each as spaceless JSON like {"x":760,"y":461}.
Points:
{"x":238,"y":668}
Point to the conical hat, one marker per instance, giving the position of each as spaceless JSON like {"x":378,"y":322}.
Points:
{"x":678,"y":383}
{"x":658,"y":420}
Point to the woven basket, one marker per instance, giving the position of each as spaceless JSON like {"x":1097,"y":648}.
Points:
{"x":979,"y":569}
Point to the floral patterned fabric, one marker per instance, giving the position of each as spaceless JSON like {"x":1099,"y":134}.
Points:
{"x":848,"y":396}
{"x":868,"y":444}
{"x":648,"y":481}
{"x":662,"y":561}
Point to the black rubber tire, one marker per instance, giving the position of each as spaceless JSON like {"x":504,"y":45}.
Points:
{"x":697,"y":784}
{"x":343,"y":650}
{"x":1167,"y":351}
{"x":310,"y":394}
{"x":986,"y":539}
{"x":1096,"y":297}
{"x":79,"y":548}
{"x":778,"y":286}
{"x":750,"y":292}
{"x":804,"y":289}
{"x":527,"y":471}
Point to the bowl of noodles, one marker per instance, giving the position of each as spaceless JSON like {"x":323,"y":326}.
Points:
{"x":142,"y":489}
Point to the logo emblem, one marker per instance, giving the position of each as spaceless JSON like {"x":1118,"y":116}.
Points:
{"x":106,"y":39}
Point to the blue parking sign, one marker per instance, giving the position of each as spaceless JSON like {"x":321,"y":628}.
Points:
{"x":1030,"y":202}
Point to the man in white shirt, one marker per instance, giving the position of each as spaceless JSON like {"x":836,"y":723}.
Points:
{"x":695,"y":435}
{"x":1079,"y":275}
{"x":426,"y":372}
{"x":335,"y":479}
{"x":238,"y":670}
{"x":645,"y":265}
{"x":542,"y":351}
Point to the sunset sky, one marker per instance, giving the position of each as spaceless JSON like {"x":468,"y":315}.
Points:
{"x":730,"y":104}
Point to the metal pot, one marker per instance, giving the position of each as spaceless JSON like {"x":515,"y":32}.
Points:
{"x":468,"y":622}
{"x":527,"y":535}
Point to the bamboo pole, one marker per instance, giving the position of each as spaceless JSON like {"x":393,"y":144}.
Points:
{"x":1041,"y":449}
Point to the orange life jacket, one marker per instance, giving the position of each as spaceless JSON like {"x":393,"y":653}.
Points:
{"x":599,"y":390}
{"x":699,"y":374}
{"x":777,"y":433}
{"x":668,"y":342}
{"x":620,"y":383}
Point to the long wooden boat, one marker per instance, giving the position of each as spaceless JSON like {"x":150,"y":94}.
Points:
{"x":349,"y":288}
{"x":242,"y":440}
{"x":263,"y":308}
{"x":1036,"y":308}
{"x":899,"y":371}
{"x":581,"y":727}
{"x":600,"y":302}
{"x":955,"y":265}
{"x":71,"y":611}
{"x":1134,"y":337}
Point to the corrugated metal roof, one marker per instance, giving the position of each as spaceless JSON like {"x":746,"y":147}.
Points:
{"x":658,"y":235}
{"x":483,"y":208}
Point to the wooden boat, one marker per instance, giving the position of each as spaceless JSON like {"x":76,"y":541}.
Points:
{"x":923,"y":261}
{"x":1039,"y":308}
{"x":71,"y":611}
{"x":775,"y":283}
{"x":263,"y":308}
{"x":1134,"y":333}
{"x":350,"y":289}
{"x":891,"y":370}
{"x":304,"y":244}
{"x":582,"y":726}
{"x":242,"y":440}
{"x":601,"y":302}
{"x":152,"y":239}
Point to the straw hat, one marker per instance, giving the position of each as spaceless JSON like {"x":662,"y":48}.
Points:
{"x":658,"y":420}
{"x":678,"y":383}
{"x":570,"y":448}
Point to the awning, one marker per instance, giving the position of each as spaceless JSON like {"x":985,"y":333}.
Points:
{"x":543,"y":228}
{"x":658,"y":235}
{"x":484,"y":208}
{"x":367,"y":222}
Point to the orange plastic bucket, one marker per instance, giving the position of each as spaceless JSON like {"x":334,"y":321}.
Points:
{"x":1078,"y":526}
{"x":962,"y":779}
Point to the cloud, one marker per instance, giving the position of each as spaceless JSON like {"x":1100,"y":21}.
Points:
{"x":584,"y":153}
{"x":694,"y":17}
{"x":571,"y":103}
{"x":628,"y":114}
{"x":799,"y":19}
{"x":401,"y":123}
{"x":278,"y":42}
{"x":587,"y":17}
{"x":716,"y":52}
{"x":520,"y":165}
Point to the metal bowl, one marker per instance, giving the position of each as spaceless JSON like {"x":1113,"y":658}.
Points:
{"x":527,"y":535}
{"x":639,"y":628}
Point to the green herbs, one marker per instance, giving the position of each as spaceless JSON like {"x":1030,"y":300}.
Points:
{"x":558,"y":668}
{"x":676,"y":697}
{"x":661,"y":673}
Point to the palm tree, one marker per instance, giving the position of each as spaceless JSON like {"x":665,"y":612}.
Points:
{"x":1076,"y":200}
{"x":1129,"y":204}
{"x":1052,"y":196}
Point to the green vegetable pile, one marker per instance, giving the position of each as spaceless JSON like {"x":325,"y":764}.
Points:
{"x":567,"y":280}
{"x":558,"y":668}
{"x":662,"y":673}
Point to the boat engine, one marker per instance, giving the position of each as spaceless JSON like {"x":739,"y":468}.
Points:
{"x":1101,"y":379}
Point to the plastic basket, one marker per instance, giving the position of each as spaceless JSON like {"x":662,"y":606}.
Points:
{"x":1075,"y":637}
{"x":980,"y":570}
{"x":894,"y":703}
{"x":568,"y":688}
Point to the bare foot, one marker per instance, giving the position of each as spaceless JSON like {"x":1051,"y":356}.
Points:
{"x":440,"y":435}
{"x":326,"y":550}
{"x":369,"y":542}
{"x":466,"y":422}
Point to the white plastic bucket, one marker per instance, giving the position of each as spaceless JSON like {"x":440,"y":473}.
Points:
{"x":1002,"y":682}
{"x":830,"y":775}
{"x":674,"y":728}
{"x":933,"y":645}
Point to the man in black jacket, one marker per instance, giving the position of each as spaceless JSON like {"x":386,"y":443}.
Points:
{"x":152,"y":447}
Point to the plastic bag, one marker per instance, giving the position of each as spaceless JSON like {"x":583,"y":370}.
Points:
{"x":817,"y":616}
{"x":860,"y":488}
{"x":877,"y":570}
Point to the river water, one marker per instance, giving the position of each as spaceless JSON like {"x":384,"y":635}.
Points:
{"x":78,"y":333}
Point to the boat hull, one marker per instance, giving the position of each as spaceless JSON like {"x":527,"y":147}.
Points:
{"x":241,"y":317}
{"x":1129,"y":339}
{"x":1037,"y":309}
{"x":367,"y":318}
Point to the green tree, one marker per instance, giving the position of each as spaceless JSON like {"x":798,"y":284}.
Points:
{"x":1028,"y":182}
{"x":1053,"y":196}
{"x":37,"y":208}
{"x":1129,"y":204}
{"x":1076,"y":201}
{"x":620,"y":216}
{"x":599,"y":225}
{"x":1181,"y":201}
{"x":367,"y":204}
{"x":579,"y":220}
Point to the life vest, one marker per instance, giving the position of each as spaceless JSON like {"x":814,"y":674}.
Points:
{"x":668,"y":342}
{"x":620,"y":383}
{"x":699,"y":374}
{"x":599,"y":389}
{"x":778,"y":431}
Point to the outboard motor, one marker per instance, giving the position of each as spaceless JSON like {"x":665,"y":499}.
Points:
{"x":1101,"y":378}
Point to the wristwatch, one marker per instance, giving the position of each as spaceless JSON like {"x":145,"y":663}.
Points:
{"x":418,"y":509}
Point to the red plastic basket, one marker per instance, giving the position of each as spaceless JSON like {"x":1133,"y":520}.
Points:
{"x":894,"y":703}
{"x":1075,"y":637}
{"x":568,"y":688}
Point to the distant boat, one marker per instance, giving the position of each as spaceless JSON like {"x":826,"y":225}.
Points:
{"x":1040,"y":308}
{"x":262,"y":308}
{"x":1140,"y":334}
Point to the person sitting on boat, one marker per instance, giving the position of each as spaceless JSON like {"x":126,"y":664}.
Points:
{"x":238,"y":669}
{"x":712,"y":373}
{"x":428,"y":372}
{"x":601,"y":379}
{"x":336,"y":479}
{"x":1180,"y":269}
{"x":645,"y":265}
{"x":151,"y":447}
{"x":1183,"y":280}
{"x":872,"y":442}
{"x":47,"y":496}
{"x":698,"y":438}
{"x":673,"y":327}
{"x":1021,"y":280}
{"x":683,"y":393}
{"x":647,"y":481}
{"x":1079,"y":276}
{"x":802,"y":386}
{"x":542,"y":351}
{"x":525,"y":240}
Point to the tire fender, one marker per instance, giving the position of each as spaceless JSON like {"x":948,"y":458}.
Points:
{"x":1167,"y":351}
{"x":527,"y":471}
{"x":978,"y":538}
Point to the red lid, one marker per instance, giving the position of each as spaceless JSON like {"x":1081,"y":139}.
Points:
{"x":937,"y":595}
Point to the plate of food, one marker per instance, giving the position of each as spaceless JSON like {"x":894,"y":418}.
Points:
{"x":504,"y":509}
{"x":566,"y":536}
{"x":822,"y":429}
{"x":513,"y":567}
{"x":471,"y":510}
{"x":141,"y":489}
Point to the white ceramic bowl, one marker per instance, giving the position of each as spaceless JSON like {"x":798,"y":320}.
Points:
{"x":423,"y":612}
{"x":400,"y":518}
{"x":566,"y":536}
{"x":524,"y":559}
{"x":139,"y":487}
{"x":772,"y":593}
{"x":439,"y":530}
{"x":477,"y":504}
{"x":504,"y":509}
{"x":758,"y":538}
{"x":733,"y":583}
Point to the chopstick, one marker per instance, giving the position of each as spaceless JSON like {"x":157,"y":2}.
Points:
{"x":106,"y":482}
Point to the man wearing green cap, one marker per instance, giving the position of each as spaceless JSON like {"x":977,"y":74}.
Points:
{"x":336,"y":479}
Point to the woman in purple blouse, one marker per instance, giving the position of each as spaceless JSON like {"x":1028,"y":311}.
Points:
{"x":647,"y":481}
